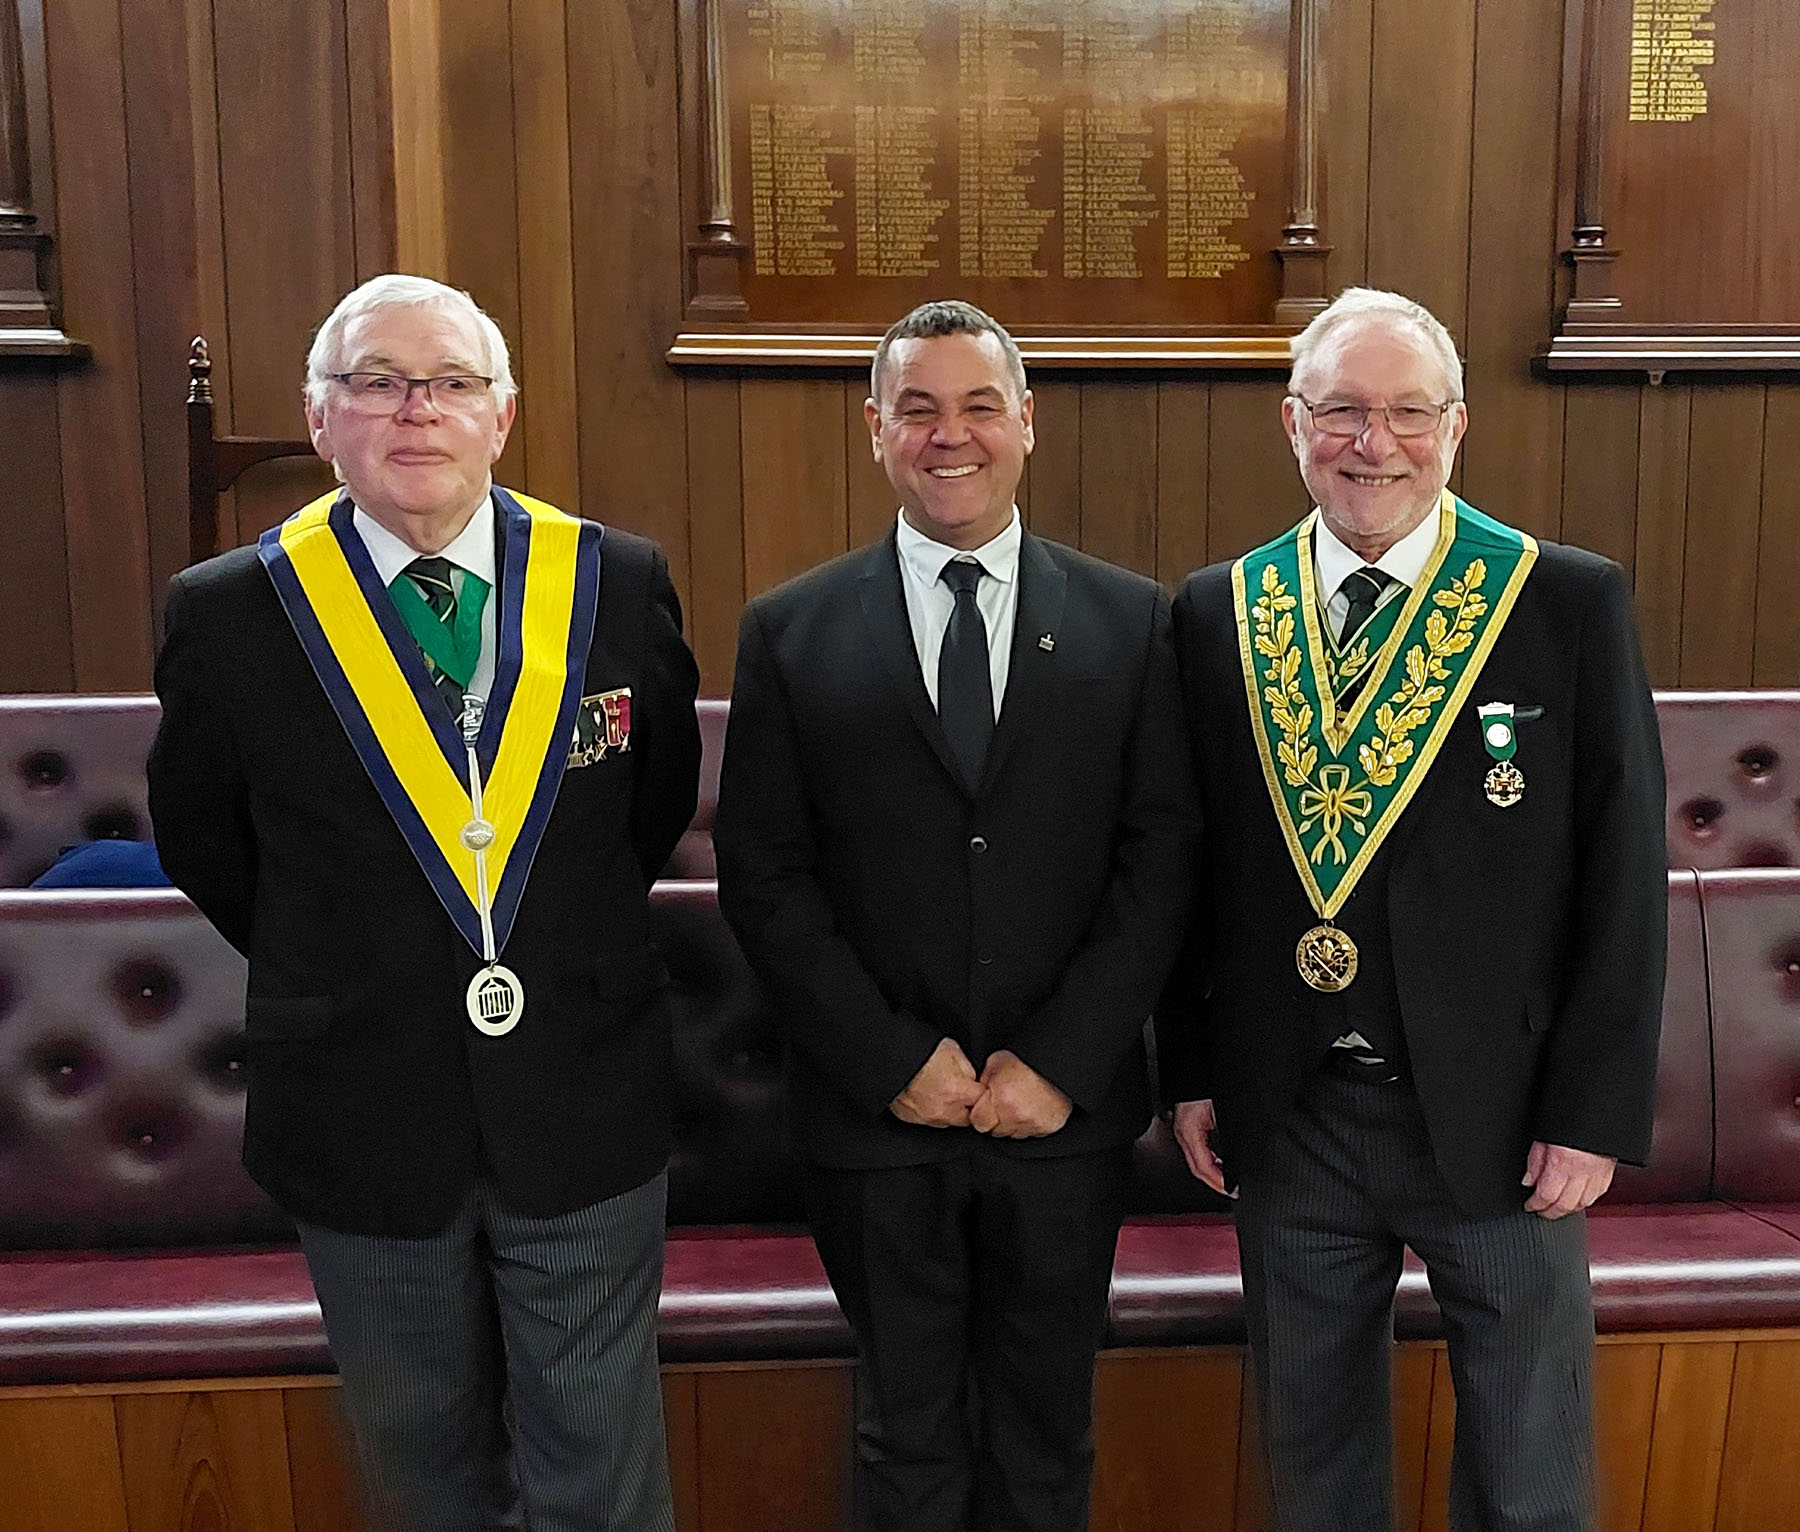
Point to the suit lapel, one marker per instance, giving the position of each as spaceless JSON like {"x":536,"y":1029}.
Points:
{"x":884,"y":609}
{"x":1042,"y":588}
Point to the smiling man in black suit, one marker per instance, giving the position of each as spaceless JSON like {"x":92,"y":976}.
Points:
{"x":1424,"y":991}
{"x":954,"y":832}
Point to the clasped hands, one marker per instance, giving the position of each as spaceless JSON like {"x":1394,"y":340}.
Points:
{"x":1008,"y":1099}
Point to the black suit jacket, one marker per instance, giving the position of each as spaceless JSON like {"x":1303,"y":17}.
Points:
{"x":1527,"y":942}
{"x":373,"y":1103}
{"x":887,"y":907}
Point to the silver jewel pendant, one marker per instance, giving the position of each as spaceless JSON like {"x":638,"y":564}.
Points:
{"x":495,"y":1000}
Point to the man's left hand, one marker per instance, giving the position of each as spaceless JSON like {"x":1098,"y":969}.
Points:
{"x":1020,"y":1102}
{"x":1564,"y":1180}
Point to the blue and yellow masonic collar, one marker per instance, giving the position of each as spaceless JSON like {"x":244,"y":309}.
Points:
{"x":383,"y":695}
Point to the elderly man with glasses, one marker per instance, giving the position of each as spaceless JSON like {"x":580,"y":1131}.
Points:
{"x":423,"y":749}
{"x":1423,"y":996}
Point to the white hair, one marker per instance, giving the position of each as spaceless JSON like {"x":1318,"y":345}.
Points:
{"x":394,"y":290}
{"x":1372,"y":308}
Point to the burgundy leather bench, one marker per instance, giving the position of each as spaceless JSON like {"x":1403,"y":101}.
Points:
{"x":139,"y":1249}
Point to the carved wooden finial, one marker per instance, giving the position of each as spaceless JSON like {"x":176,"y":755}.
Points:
{"x":199,"y":372}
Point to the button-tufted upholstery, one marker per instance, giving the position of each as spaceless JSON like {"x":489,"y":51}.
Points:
{"x":71,"y":769}
{"x":1734,"y":777}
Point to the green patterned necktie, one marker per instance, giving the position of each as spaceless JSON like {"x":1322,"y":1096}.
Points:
{"x":448,"y":655}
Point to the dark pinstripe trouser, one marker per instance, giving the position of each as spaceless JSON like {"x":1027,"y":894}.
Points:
{"x":502,"y":1374}
{"x":1320,"y":1229}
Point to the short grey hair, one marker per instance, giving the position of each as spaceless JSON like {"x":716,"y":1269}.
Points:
{"x":1375,"y":309}
{"x":395,"y":290}
{"x":947,"y":316}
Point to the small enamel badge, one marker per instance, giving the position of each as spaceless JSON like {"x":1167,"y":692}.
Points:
{"x":602,"y":727}
{"x":1505,"y":783}
{"x":1046,"y":642}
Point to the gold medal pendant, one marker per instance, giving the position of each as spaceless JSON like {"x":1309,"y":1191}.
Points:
{"x":1505,"y":784}
{"x":1326,"y":958}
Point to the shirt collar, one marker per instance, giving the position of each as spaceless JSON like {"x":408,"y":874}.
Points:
{"x":1405,"y":561}
{"x":471,"y":549}
{"x":926,"y":558}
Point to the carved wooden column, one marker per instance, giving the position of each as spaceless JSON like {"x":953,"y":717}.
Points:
{"x":1590,"y":299}
{"x":1302,"y":251}
{"x":716,"y":258}
{"x":28,"y":317}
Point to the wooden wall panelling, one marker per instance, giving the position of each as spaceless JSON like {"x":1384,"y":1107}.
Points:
{"x":1118,"y":472}
{"x":1051,"y":500}
{"x":195,"y":1462}
{"x":321,"y":1474}
{"x":1440,"y":1442}
{"x":482,"y":237}
{"x":369,"y":69}
{"x":102,"y":449}
{"x":1777,"y":657}
{"x":1346,"y":43}
{"x":872,"y":503}
{"x":624,"y":175}
{"x":1414,"y":1367}
{"x":715,"y":499}
{"x":1600,"y":470}
{"x":38,"y":651}
{"x":1718,"y":607}
{"x":59,"y":1466}
{"x":549,"y":423}
{"x":1759,"y":1484}
{"x":794,"y":477}
{"x":775,"y":1436}
{"x":164,"y":256}
{"x":681,"y":1424}
{"x":1183,"y":452}
{"x":1255,"y":488}
{"x":1421,"y":119}
{"x":1625,"y":1414}
{"x":209,"y":230}
{"x":417,"y":103}
{"x":1513,"y":453}
{"x":1251,"y":1513}
{"x":1687,"y":1442}
{"x":1166,"y":1444}
{"x":1660,"y":568}
{"x":285,"y":204}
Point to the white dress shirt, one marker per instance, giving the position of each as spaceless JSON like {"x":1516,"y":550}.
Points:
{"x":1332,"y":560}
{"x":929,"y":601}
{"x":471,"y":551}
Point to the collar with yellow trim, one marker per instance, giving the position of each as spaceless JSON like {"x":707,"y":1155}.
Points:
{"x":378,"y":685}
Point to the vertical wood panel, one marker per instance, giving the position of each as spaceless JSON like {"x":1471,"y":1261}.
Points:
{"x":102,"y":451}
{"x":746,"y":1467}
{"x":1687,"y":1442}
{"x":793,"y":456}
{"x":1760,"y":1475}
{"x":59,"y":1467}
{"x":872,"y":503}
{"x":1053,"y":505}
{"x":321,"y":1473}
{"x":1513,"y":453}
{"x":1599,"y":470}
{"x":624,"y":175}
{"x":1183,"y":452}
{"x":1625,"y":1412}
{"x":1777,"y":656}
{"x":715,"y":528}
{"x":1255,"y":487}
{"x":1661,"y":566}
{"x":1166,"y":1440}
{"x":1118,"y":473}
{"x":195,"y":1461}
{"x":34,"y":575}
{"x":369,"y":63}
{"x":1421,"y":119}
{"x":1252,"y":1510}
{"x":548,"y":419}
{"x":1413,"y":1368}
{"x":1346,"y":42}
{"x":681,"y":1421}
{"x":418,"y":107}
{"x":1440,"y":1442}
{"x":1718,"y":608}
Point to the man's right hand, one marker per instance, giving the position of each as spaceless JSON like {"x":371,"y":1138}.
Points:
{"x":941,"y":1093}
{"x":1195,"y":1124}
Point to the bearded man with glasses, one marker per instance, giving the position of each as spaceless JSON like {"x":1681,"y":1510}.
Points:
{"x":423,"y":750}
{"x":1423,"y":988}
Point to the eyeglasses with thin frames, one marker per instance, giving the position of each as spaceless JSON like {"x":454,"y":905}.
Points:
{"x":1336,"y":418}
{"x":383,"y":392}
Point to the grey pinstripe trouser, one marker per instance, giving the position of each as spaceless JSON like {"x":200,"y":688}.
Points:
{"x":1320,"y":1234}
{"x":502,"y":1374}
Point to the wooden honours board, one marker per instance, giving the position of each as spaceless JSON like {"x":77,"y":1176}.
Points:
{"x":1118,"y":181}
{"x":1685,"y":250}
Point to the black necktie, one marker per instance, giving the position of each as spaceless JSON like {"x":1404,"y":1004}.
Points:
{"x":431,"y":578}
{"x":1364,"y":587}
{"x":965,"y":685}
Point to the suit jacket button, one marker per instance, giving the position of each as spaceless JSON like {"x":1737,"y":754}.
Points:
{"x":978,"y":844}
{"x":984,"y":958}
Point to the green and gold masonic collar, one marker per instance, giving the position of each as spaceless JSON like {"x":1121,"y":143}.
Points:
{"x":1340,"y":780}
